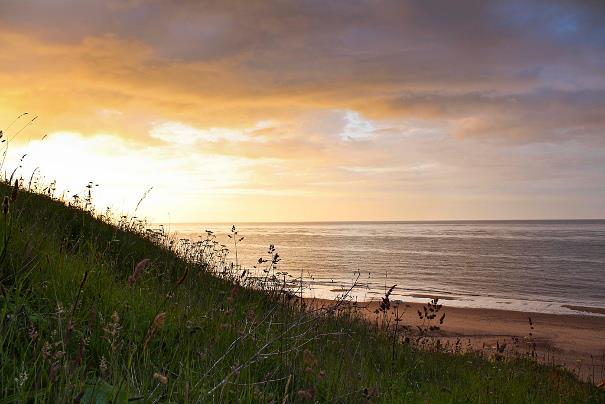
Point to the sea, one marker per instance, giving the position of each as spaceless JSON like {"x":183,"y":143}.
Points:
{"x":550,"y":266}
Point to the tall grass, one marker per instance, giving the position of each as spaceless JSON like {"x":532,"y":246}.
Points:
{"x":95,"y":309}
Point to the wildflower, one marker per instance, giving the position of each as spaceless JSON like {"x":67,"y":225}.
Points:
{"x":160,"y":378}
{"x":309,"y":359}
{"x":21,"y":379}
{"x":138,"y":271}
{"x":370,"y":393}
{"x":60,"y":310}
{"x":112,"y":331}
{"x":46,"y":350}
{"x":33,"y":334}
{"x":322,"y":374}
{"x":103,"y":365}
{"x":306,"y":394}
{"x":58,"y":355}
{"x":54,"y":371}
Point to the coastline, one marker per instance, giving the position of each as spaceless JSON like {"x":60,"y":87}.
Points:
{"x":574,"y":341}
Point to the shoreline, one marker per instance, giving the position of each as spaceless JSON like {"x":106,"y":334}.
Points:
{"x":462,"y":301}
{"x":576,"y":341}
{"x":585,"y":309}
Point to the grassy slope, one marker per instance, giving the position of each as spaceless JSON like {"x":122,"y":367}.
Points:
{"x":242,"y":347}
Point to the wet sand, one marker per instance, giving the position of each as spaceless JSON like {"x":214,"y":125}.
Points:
{"x":574,"y":341}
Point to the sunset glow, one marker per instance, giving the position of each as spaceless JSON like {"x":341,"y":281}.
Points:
{"x":304,"y":111}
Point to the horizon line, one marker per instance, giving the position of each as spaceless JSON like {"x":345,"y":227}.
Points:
{"x":384,"y":221}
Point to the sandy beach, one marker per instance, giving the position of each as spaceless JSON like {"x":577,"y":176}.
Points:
{"x":574,"y":341}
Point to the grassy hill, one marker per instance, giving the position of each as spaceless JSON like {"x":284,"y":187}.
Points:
{"x":95,"y":310}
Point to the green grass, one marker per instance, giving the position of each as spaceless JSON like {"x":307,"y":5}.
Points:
{"x":60,"y":341}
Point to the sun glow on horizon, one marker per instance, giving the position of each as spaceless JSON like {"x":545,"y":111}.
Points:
{"x":125,"y":170}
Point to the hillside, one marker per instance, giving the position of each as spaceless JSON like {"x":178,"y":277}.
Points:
{"x":98,"y":310}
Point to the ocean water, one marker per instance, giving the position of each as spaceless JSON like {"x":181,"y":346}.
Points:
{"x":540,"y":266}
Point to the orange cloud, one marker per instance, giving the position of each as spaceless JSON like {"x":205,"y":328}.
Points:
{"x":380,"y":110}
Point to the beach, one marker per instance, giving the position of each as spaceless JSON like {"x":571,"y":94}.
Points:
{"x":574,"y":341}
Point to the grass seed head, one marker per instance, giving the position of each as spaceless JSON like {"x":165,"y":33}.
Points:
{"x":158,"y":323}
{"x":15,"y":192}
{"x":5,"y":205}
{"x":138,"y":271}
{"x":159,"y":320}
{"x":160,"y":378}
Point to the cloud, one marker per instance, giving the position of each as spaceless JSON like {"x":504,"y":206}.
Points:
{"x":182,"y":134}
{"x":356,"y":127}
{"x":227,"y":64}
{"x":433,"y":102}
{"x":373,"y":170}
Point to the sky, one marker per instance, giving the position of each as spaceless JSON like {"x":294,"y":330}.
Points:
{"x":312,"y":110}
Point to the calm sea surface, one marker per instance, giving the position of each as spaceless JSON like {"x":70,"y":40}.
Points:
{"x":519,"y":265}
